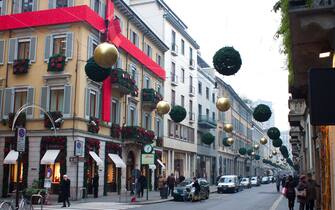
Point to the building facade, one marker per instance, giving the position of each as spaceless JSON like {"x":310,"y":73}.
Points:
{"x":29,"y":75}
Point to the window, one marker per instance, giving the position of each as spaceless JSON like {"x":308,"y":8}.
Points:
{"x":133,"y":73}
{"x":93,"y":102}
{"x":159,"y":59}
{"x":182,"y":99}
{"x":120,"y":21}
{"x":199,"y":109}
{"x":23,"y":49}
{"x":115,"y":112}
{"x":191,"y":106}
{"x":173,"y":41}
{"x":207,"y":113}
{"x":182,"y":47}
{"x":173,"y":72}
{"x":159,"y":89}
{"x":148,"y":50}
{"x":2,"y":8}
{"x":146,"y":82}
{"x":27,"y":5}
{"x":20,"y":98}
{"x":56,"y":99}
{"x":134,"y":38}
{"x":213,"y":97}
{"x":147,"y":121}
{"x":183,"y":75}
{"x":191,"y":56}
{"x":213,"y":116}
{"x":207,"y":93}
{"x":199,"y":88}
{"x":96,"y":6}
{"x":132,"y":116}
{"x":173,"y":97}
{"x":158,"y":127}
{"x":61,"y":3}
{"x":59,"y":45}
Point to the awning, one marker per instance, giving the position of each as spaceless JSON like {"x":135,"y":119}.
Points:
{"x":117,"y":160}
{"x":160,"y":163}
{"x":96,"y":158}
{"x":11,"y":157}
{"x":152,"y":167}
{"x":49,"y":157}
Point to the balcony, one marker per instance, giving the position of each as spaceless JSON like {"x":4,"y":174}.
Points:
{"x":136,"y":134}
{"x":191,"y":91}
{"x":174,"y":79}
{"x":122,"y":81}
{"x":192,"y":64}
{"x":150,"y":98}
{"x":191,"y":117}
{"x":174,"y":49}
{"x":204,"y":121}
{"x":297,"y":111}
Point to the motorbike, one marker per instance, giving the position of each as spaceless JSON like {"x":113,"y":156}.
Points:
{"x":193,"y":195}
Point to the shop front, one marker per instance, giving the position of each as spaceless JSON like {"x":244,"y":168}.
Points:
{"x":11,"y":168}
{"x":130,"y":169}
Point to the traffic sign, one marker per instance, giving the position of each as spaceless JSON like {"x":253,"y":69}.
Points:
{"x":79,"y":148}
{"x":21,"y":139}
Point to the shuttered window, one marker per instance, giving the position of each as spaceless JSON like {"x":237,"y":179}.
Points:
{"x":146,"y":121}
{"x":3,"y":7}
{"x":1,"y":100}
{"x":2,"y":51}
{"x":132,"y":115}
{"x":15,"y":98}
{"x":59,"y":44}
{"x":115,"y":111}
{"x":21,"y":48}
{"x":24,"y":6}
{"x":60,"y":3}
{"x":92,"y":103}
{"x":20,"y":98}
{"x":27,"y":5}
{"x":92,"y":43}
{"x":56,"y":99}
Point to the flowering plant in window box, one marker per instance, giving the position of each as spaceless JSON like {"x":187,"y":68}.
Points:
{"x":20,"y":121}
{"x":21,"y":66}
{"x":138,"y":134}
{"x":93,"y":125}
{"x":56,"y":63}
{"x":122,"y":80}
{"x":151,"y":96}
{"x":115,"y":131}
{"x":54,"y":115}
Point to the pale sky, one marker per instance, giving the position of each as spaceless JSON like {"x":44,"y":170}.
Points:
{"x":248,"y":26}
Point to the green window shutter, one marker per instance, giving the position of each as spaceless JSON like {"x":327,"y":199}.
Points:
{"x":35,"y":5}
{"x":32,"y":52}
{"x":136,"y":116}
{"x":1,"y":91}
{"x":4,"y":8}
{"x":98,"y":105}
{"x":17,"y":6}
{"x":87,"y":103}
{"x":30,"y":101}
{"x":47,"y":48}
{"x":150,"y":121}
{"x":45,"y":95}
{"x":143,"y":119}
{"x":118,"y":112}
{"x":67,"y":100}
{"x":12,"y":51}
{"x":2,"y":51}
{"x":102,"y":9}
{"x":8,"y":102}
{"x":69,"y":45}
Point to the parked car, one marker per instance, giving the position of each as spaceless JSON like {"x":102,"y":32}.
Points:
{"x":228,"y":183}
{"x":265,"y":180}
{"x":246,"y":182}
{"x":255,"y":181}
{"x":271,"y":179}
{"x":184,"y":190}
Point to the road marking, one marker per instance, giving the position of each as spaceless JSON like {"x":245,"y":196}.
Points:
{"x":276,"y":203}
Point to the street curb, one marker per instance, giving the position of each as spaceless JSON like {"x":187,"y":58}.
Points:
{"x":149,"y":202}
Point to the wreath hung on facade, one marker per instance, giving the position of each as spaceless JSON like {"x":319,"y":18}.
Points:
{"x":95,"y":72}
{"x":273,"y":133}
{"x":242,"y":151}
{"x":227,"y":61}
{"x":277,"y":142}
{"x":207,"y":138}
{"x":177,"y":113}
{"x":262,"y":113}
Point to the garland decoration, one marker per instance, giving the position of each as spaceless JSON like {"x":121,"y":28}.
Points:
{"x":273,"y":133}
{"x":277,"y":142}
{"x":227,"y":61}
{"x":242,"y":151}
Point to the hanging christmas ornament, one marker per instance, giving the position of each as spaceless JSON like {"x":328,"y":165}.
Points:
{"x":177,"y":113}
{"x":274,"y":152}
{"x":223,"y":104}
{"x":227,"y":61}
{"x":96,"y":72}
{"x":273,"y":133}
{"x":262,"y":113}
{"x":263,"y":140}
{"x":163,"y":107}
{"x":242,"y":151}
{"x":230,"y":141}
{"x":228,"y":127}
{"x":253,"y":153}
{"x":256,"y":146}
{"x":277,"y":142}
{"x":207,"y":138}
{"x":106,"y":55}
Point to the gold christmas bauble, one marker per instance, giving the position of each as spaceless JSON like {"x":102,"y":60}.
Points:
{"x":163,"y":107}
{"x":230,"y":141}
{"x":263,"y":140}
{"x":256,"y":146}
{"x":253,"y":154}
{"x":228,"y":128}
{"x":223,"y":104}
{"x":274,"y":152}
{"x":270,"y":156}
{"x":105,"y":55}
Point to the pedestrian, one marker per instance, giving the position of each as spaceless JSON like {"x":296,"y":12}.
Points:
{"x":311,"y":186}
{"x":96,"y":184}
{"x":142,"y":184}
{"x":65,"y":190}
{"x":171,"y":181}
{"x":290,"y":192}
{"x":278,"y":181}
{"x":301,"y":192}
{"x":283,"y":181}
{"x":161,"y":186}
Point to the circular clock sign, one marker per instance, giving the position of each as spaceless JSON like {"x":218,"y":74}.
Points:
{"x":147,"y":148}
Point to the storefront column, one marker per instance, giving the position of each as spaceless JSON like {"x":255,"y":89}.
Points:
{"x":2,"y":147}
{"x":168,"y":171}
{"x":172,"y":162}
{"x":102,"y":168}
{"x":34,"y":159}
{"x":187,"y":166}
{"x":123,"y":170}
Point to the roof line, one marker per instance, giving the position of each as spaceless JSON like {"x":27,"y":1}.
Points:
{"x":171,"y":11}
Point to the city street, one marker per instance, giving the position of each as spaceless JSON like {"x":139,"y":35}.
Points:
{"x":256,"y":198}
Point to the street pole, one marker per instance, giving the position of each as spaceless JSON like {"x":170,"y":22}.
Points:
{"x":148,"y":183}
{"x":18,"y":180}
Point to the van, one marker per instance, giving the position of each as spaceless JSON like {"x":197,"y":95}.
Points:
{"x":228,"y":183}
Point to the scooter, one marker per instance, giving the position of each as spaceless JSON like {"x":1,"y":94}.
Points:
{"x":193,"y":196}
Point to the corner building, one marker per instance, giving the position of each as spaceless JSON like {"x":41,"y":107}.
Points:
{"x":94,"y":114}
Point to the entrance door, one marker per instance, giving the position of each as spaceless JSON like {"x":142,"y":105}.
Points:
{"x":130,"y":169}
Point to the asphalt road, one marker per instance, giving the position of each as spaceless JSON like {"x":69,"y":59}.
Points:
{"x":264,"y":197}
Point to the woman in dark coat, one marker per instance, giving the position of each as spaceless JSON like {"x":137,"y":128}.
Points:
{"x":290,"y":192}
{"x":65,"y":190}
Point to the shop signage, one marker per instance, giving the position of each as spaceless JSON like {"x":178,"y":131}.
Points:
{"x":21,"y":139}
{"x":148,"y":159}
{"x":79,"y":148}
{"x":76,"y":159}
{"x":47,"y":183}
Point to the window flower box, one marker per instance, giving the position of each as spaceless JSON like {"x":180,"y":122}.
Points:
{"x":20,"y":121}
{"x":150,"y":98}
{"x":54,"y":116}
{"x":122,"y":80}
{"x":93,"y":125}
{"x":21,"y":66}
{"x":138,"y":134}
{"x":56,"y":63}
{"x":115,"y":131}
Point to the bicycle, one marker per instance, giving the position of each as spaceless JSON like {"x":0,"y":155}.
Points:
{"x":7,"y":205}
{"x":25,"y":204}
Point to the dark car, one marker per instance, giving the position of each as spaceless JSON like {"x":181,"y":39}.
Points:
{"x":184,"y":190}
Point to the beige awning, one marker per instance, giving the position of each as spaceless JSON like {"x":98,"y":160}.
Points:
{"x":49,"y":157}
{"x":11,"y":157}
{"x":160,"y":163}
{"x":117,"y":160}
{"x":96,"y":158}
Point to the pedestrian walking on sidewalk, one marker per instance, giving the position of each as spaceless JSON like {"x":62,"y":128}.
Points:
{"x":142,"y":184}
{"x":290,"y":192}
{"x":162,"y":187}
{"x":278,"y":181}
{"x":65,"y":190}
{"x":311,"y":186}
{"x":301,"y":192}
{"x":171,"y":181}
